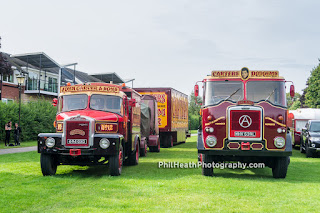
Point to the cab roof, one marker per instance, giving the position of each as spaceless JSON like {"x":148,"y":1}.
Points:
{"x":92,"y":88}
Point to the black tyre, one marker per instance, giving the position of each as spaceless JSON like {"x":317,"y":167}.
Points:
{"x":207,"y":169}
{"x":116,"y":163}
{"x":280,"y":167}
{"x":133,"y":158}
{"x":168,"y":141}
{"x":155,"y":148}
{"x":48,"y":164}
{"x":309,"y":153}
{"x":144,"y":150}
{"x":301,"y":147}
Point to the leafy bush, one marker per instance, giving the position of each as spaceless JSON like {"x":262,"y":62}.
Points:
{"x":36,"y":117}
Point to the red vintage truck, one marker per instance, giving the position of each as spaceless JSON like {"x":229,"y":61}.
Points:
{"x":172,"y":114}
{"x":96,"y":123}
{"x":244,"y":119}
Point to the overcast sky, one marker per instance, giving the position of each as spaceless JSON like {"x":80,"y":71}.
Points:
{"x":168,"y":43}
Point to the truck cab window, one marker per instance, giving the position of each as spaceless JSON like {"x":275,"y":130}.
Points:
{"x":73,"y":102}
{"x":273,"y":91}
{"x":106,"y":103}
{"x":218,"y":91}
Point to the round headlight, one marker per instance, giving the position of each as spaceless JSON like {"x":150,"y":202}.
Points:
{"x":211,"y":141}
{"x":279,"y":142}
{"x":104,"y":143}
{"x":50,"y":142}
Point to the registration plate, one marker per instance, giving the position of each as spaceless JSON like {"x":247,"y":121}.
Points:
{"x":245,"y":134}
{"x":77,"y":141}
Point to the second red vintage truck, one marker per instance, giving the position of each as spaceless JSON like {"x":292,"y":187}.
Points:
{"x":172,"y":114}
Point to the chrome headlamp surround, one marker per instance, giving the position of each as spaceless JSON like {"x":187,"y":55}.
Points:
{"x":104,"y":143}
{"x":211,"y":141}
{"x":50,"y":142}
{"x":279,"y":142}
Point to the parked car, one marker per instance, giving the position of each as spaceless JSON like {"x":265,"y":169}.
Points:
{"x":310,"y":138}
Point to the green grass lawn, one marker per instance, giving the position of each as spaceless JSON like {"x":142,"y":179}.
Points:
{"x":146,"y":188}
{"x":22,"y":144}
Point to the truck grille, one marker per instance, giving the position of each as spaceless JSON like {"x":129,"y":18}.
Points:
{"x":245,"y":123}
{"x":77,"y":133}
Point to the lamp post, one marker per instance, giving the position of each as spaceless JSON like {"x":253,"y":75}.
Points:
{"x":20,"y":79}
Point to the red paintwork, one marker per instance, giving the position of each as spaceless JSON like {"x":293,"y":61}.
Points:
{"x":97,"y":115}
{"x":219,"y":130}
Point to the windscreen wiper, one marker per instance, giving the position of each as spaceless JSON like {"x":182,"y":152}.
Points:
{"x":232,"y":94}
{"x":270,"y":95}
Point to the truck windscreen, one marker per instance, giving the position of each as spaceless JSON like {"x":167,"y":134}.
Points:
{"x":273,"y":91}
{"x":72,"y":102}
{"x":216,"y":91}
{"x":106,"y":103}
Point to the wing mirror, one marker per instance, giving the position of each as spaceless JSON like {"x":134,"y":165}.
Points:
{"x":292,"y":92}
{"x":132,"y":102}
{"x":54,"y":102}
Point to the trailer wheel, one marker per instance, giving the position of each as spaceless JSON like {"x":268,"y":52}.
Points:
{"x":144,"y":150}
{"x":207,"y":169}
{"x":155,"y":148}
{"x":280,"y":167}
{"x":168,"y":141}
{"x":116,"y":163}
{"x":48,"y":164}
{"x":133,"y":158}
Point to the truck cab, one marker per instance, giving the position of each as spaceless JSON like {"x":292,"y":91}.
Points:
{"x":244,"y":119}
{"x":94,"y":126}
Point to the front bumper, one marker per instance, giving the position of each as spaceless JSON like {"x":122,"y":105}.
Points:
{"x":246,"y":153}
{"x":59,"y":149}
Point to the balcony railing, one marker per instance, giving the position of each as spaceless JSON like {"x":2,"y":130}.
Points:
{"x":33,"y":84}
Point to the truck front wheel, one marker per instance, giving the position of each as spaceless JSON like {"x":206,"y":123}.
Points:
{"x":207,"y":167}
{"x":116,"y":163}
{"x":280,"y":167}
{"x":48,"y":164}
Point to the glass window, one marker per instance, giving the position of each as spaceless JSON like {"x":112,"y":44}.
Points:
{"x":273,"y":91}
{"x":7,"y":101}
{"x":217,"y":91}
{"x":72,"y":102}
{"x":8,"y":78}
{"x":315,"y":127}
{"x":107,"y":103}
{"x":32,"y":81}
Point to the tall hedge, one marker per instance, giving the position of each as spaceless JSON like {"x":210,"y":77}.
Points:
{"x":36,"y":116}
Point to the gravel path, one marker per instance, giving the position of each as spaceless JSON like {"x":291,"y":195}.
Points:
{"x":18,"y":150}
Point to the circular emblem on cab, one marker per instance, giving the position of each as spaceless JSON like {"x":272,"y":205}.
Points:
{"x":245,"y":121}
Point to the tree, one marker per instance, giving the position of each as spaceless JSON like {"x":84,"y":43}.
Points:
{"x":293,"y":103}
{"x":193,"y":112}
{"x":5,"y":68}
{"x":312,"y":92}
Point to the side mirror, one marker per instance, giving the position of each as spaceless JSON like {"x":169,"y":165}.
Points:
{"x":132,"y":102}
{"x":196,"y":90}
{"x":54,"y":102}
{"x":292,"y":92}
